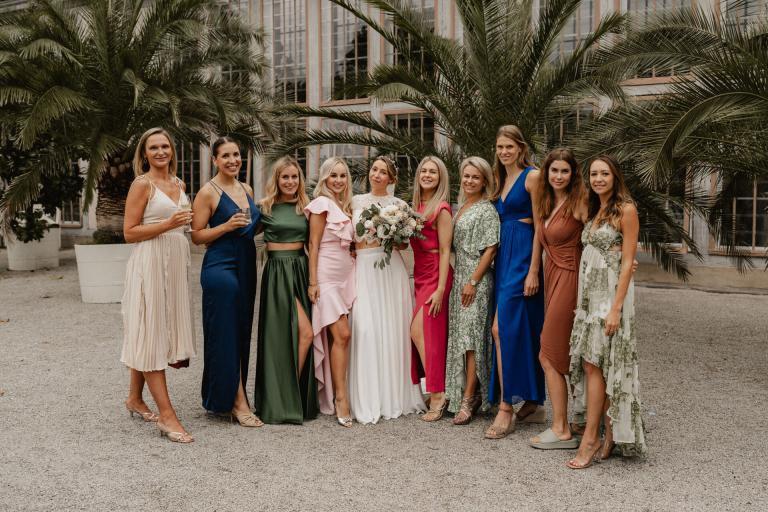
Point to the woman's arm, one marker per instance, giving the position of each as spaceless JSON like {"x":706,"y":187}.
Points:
{"x":630,"y":230}
{"x":135,"y":203}
{"x":203,"y":210}
{"x":316,"y":229}
{"x":469,"y":291}
{"x":444,"y":237}
{"x":531,"y":286}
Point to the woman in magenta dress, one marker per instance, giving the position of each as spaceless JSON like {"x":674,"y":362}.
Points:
{"x":432,"y":279}
{"x":331,"y":285}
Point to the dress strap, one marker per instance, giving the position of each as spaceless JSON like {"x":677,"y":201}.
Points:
{"x":216,"y":187}
{"x":244,"y":189}
{"x":152,"y":186}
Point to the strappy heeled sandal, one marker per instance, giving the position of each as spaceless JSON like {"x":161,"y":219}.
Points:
{"x":248,"y":420}
{"x":467,"y":410}
{"x":146,"y":416}
{"x":496,"y":432}
{"x":176,"y":437}
{"x":435,"y":414}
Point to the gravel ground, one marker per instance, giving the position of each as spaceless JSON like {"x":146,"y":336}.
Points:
{"x":67,"y":443}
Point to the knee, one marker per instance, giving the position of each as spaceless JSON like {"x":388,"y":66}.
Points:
{"x":495,"y":331}
{"x":342,"y":338}
{"x":546,"y":364}
{"x":305,"y":337}
{"x":591,"y":369}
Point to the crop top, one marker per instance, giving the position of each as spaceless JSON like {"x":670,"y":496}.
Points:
{"x":284,"y":225}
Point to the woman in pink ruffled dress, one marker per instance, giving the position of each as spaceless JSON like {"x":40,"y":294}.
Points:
{"x":331,"y":285}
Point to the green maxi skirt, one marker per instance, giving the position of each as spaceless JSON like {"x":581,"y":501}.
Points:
{"x":282,"y":396}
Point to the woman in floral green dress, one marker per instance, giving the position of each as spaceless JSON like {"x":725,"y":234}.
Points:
{"x":475,"y":237}
{"x":603,"y":346}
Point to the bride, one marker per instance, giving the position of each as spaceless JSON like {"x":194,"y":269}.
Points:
{"x":379,"y":369}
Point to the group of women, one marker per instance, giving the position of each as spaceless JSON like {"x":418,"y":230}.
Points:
{"x":339,"y":335}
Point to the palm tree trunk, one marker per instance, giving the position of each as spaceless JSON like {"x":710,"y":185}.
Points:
{"x":113,"y":188}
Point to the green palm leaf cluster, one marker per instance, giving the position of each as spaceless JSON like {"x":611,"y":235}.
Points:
{"x":506,"y":70}
{"x":95,"y":74}
{"x":711,"y":124}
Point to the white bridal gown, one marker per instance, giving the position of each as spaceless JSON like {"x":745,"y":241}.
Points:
{"x":380,"y":350}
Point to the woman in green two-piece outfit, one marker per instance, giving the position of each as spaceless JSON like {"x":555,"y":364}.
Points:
{"x":286,"y":391}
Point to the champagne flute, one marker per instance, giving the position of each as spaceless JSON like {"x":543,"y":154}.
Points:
{"x":185,"y":205}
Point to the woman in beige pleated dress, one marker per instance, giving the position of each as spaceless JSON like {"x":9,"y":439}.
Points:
{"x":157,"y":318}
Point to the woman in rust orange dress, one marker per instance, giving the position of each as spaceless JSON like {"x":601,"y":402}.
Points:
{"x":562,"y":209}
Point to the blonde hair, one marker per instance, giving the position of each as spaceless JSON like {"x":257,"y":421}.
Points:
{"x":140,"y":165}
{"x":321,"y":189}
{"x":509,"y":131}
{"x":482,"y":165}
{"x":273,"y":189}
{"x":442,"y":193}
{"x":391,"y":168}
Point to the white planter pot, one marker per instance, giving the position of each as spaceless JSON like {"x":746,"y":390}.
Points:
{"x":34,"y":255}
{"x":101,"y":270}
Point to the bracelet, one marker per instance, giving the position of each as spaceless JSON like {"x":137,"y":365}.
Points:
{"x":312,"y":284}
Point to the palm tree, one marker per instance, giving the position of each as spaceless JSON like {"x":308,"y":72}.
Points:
{"x":104,"y":71}
{"x":506,"y":70}
{"x":711,"y":122}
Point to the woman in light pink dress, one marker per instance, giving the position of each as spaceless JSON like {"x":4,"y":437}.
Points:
{"x":331,"y":285}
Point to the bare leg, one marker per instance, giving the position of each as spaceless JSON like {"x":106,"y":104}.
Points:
{"x":590,"y":442}
{"x":558,"y":395}
{"x":241,"y":405}
{"x":608,"y":444}
{"x":159,"y":389}
{"x":470,"y":388}
{"x":340,"y":336}
{"x":305,"y":336}
{"x":135,"y":399}
{"x":436,"y":400}
{"x":504,"y":416}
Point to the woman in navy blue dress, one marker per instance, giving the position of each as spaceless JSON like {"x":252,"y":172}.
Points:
{"x":519,"y":295}
{"x":225,"y":220}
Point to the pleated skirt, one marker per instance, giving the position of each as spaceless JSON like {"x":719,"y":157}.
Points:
{"x":380,"y":353}
{"x":281,"y":395}
{"x":156,"y":307}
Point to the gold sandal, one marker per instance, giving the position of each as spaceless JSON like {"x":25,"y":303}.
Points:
{"x":435,"y":414}
{"x":176,"y":437}
{"x":149,"y":417}
{"x":496,"y":432}
{"x":248,"y":420}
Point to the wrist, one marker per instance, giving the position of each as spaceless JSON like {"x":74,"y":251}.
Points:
{"x":440,"y":290}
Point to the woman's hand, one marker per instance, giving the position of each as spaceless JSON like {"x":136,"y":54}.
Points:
{"x":178,"y":219}
{"x":612,"y":322}
{"x":435,"y":302}
{"x":468,"y":295}
{"x":314,"y":292}
{"x":236,"y":221}
{"x":531,"y":286}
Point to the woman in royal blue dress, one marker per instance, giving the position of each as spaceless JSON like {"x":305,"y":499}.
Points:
{"x":225,"y":220}
{"x":519,"y":297}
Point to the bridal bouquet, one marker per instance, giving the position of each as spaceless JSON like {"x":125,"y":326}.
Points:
{"x":390,"y":226}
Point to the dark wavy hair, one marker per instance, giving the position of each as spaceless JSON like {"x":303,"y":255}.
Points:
{"x":575,"y":189}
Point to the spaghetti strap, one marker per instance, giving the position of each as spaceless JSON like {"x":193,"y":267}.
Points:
{"x":216,"y":187}
{"x":151,"y":185}
{"x":244,"y":189}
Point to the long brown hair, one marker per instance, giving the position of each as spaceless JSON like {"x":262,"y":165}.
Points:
{"x":574,"y":191}
{"x":273,"y":189}
{"x":619,"y":195}
{"x":523,"y":160}
{"x":140,"y":166}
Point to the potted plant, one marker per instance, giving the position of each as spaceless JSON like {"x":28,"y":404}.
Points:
{"x":33,"y":237}
{"x":106,"y":71}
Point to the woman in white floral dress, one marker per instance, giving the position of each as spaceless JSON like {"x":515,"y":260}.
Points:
{"x":603,"y":345}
